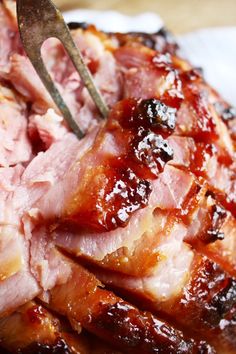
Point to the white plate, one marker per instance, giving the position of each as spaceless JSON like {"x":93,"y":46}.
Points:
{"x":213,"y":49}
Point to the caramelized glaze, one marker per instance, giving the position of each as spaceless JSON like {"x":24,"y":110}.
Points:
{"x":117,"y":185}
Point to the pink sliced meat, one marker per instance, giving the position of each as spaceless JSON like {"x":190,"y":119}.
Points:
{"x":26,"y":81}
{"x":47,"y":128}
{"x":15,"y":145}
{"x":149,"y":74}
{"x":97,"y":245}
{"x":46,"y":171}
{"x":172,"y":188}
{"x":106,"y":75}
{"x":17,"y":282}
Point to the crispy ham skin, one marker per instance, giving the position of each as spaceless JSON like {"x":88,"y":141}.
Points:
{"x":128,"y":235}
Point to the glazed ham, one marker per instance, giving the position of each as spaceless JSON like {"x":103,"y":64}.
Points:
{"x":125,"y":241}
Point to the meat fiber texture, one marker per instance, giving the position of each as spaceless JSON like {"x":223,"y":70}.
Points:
{"x":124,"y":241}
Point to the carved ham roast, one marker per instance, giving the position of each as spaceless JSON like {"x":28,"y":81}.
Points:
{"x":124,"y":241}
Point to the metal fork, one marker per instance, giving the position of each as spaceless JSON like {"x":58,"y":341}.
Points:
{"x":39,"y":20}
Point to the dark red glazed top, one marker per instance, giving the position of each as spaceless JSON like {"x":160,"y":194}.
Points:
{"x":129,"y":151}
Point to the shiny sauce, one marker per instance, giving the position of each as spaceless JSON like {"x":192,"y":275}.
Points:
{"x":130,"y":151}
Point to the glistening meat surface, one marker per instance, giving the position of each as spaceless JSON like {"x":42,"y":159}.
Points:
{"x":123,"y":242}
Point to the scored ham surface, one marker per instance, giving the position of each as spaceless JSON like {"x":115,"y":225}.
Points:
{"x":125,"y":241}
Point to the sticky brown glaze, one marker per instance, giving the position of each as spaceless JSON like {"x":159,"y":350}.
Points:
{"x":216,"y":218}
{"x":33,"y":329}
{"x":116,"y":184}
{"x":207,"y":308}
{"x":142,"y":331}
{"x":20,"y":328}
{"x":197,"y":118}
{"x":59,"y":347}
{"x":213,"y":148}
{"x":162,"y":41}
{"x":116,"y":321}
{"x":211,"y":215}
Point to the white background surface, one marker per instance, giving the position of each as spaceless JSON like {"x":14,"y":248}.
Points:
{"x":212,"y":49}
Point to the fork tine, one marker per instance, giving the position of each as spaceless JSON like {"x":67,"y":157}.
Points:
{"x":38,"y":21}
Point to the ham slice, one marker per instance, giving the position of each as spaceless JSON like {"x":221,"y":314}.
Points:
{"x":97,"y":246}
{"x":208,"y":293}
{"x":27,"y":83}
{"x":105,"y":314}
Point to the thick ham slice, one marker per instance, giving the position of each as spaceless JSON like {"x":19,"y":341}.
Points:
{"x":15,"y":272}
{"x":105,"y":314}
{"x":76,"y":200}
{"x":205,"y":303}
{"x":46,"y":171}
{"x":26,"y":285}
{"x":96,"y":248}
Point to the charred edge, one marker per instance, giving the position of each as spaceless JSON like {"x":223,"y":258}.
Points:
{"x":225,"y":300}
{"x":60,"y":347}
{"x":193,"y":74}
{"x":148,"y":40}
{"x":162,"y":41}
{"x":78,"y":25}
{"x":143,"y":333}
{"x":158,"y":114}
{"x":212,"y":295}
{"x":218,"y":216}
{"x":168,"y":44}
{"x":161,"y":152}
{"x":148,"y":114}
{"x":210,"y":194}
{"x":136,"y":196}
{"x":167,"y":35}
{"x":229,"y":114}
{"x":226,"y":113}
